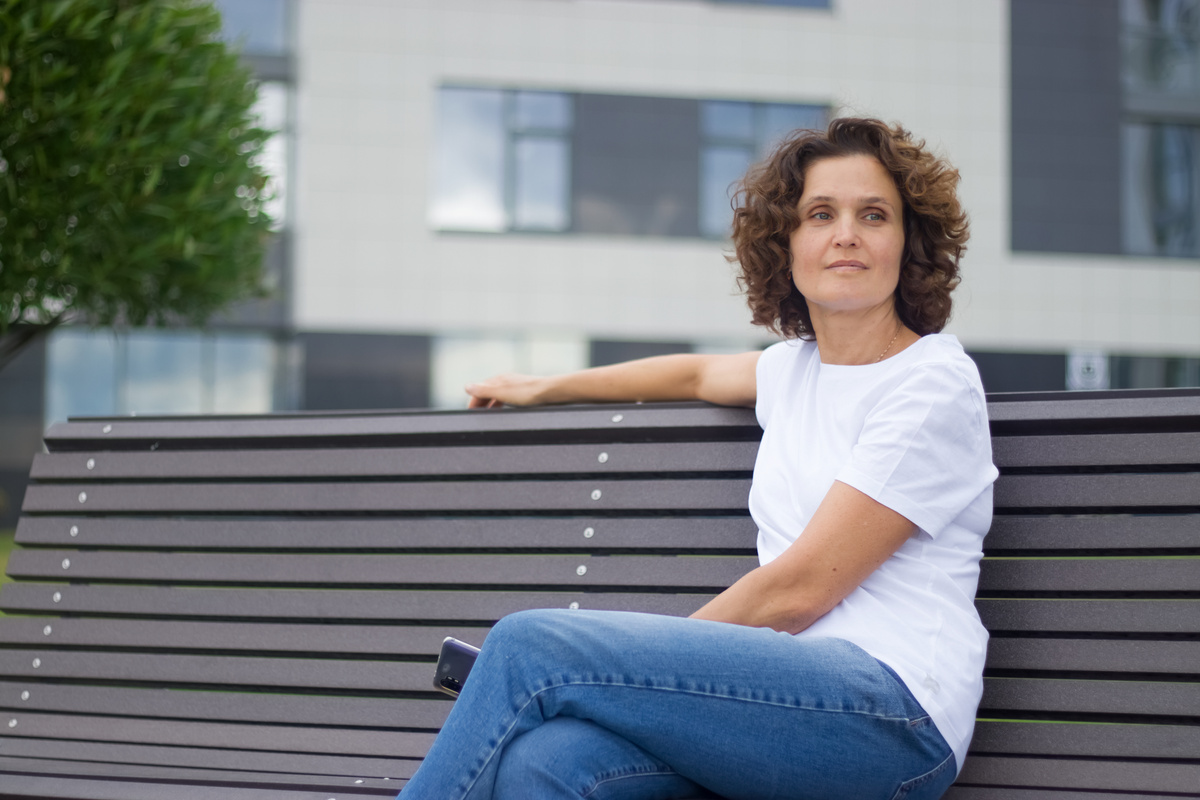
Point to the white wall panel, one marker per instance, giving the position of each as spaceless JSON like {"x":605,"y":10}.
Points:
{"x":368,"y":74}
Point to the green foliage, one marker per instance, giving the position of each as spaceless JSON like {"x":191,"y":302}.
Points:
{"x":129,"y":190}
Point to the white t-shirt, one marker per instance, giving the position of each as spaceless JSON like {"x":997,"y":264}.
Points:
{"x":911,"y":432}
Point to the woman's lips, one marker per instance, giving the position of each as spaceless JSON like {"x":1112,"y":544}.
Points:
{"x":847,"y":265}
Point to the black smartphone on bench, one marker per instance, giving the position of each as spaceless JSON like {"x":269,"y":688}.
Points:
{"x":454,"y":665}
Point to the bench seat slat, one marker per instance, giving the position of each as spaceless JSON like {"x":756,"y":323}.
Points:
{"x":1107,"y":740}
{"x":1090,"y":616}
{"x":1114,"y":449}
{"x":433,"y":606}
{"x":398,"y":462}
{"x":727,"y":495}
{"x":206,"y":758}
{"x":1096,"y":774}
{"x":1093,"y":532}
{"x":1151,"y":698}
{"x":460,"y":570}
{"x":698,"y":422}
{"x":52,"y":787}
{"x":1098,"y":491}
{"x":1155,"y":574}
{"x":325,"y":674}
{"x":331,"y":740}
{"x":301,"y":781}
{"x":229,"y":705}
{"x":389,"y":640}
{"x":1093,"y":655}
{"x":959,"y":792}
{"x":692,"y":533}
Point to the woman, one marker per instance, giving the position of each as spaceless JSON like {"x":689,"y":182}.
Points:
{"x":847,"y":665}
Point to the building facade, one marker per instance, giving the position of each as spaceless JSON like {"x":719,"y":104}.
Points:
{"x":473,"y":186}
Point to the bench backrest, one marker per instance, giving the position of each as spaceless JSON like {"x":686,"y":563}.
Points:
{"x":258,"y":600}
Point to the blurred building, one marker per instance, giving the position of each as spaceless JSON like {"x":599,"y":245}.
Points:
{"x":473,"y":186}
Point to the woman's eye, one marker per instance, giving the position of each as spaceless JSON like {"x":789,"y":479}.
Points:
{"x":875,"y":216}
{"x":822,"y":215}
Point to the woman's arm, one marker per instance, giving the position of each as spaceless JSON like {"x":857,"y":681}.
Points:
{"x":848,"y":538}
{"x":723,"y":379}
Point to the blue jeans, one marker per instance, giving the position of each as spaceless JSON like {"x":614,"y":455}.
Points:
{"x":596,"y":704}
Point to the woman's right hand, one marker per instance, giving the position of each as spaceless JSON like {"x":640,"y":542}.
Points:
{"x":507,"y":389}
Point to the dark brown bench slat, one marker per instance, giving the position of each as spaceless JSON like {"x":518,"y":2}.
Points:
{"x":1104,"y":740}
{"x":1090,"y":616}
{"x":227,"y":705}
{"x":1014,"y":413}
{"x":207,"y":758}
{"x":432,"y":496}
{"x":1052,"y":773}
{"x":1098,"y":491}
{"x":324,"y":674}
{"x":691,"y":533}
{"x":957,"y":792}
{"x":1114,"y":449}
{"x":1112,"y":697}
{"x":330,"y":740}
{"x":1093,"y":655}
{"x":462,"y":570}
{"x":390,"y":640}
{"x":596,"y":459}
{"x":1151,"y":574}
{"x":428,"y":606}
{"x":1093,"y":532}
{"x":222,"y":778}
{"x":615,"y":421}
{"x":52,"y":787}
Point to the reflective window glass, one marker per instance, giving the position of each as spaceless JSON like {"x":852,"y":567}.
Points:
{"x":1160,"y":43}
{"x":259,"y":26}
{"x":163,"y":373}
{"x":779,"y":119}
{"x":720,"y":168}
{"x":547,"y":111}
{"x":726,"y":120}
{"x":541,"y":184}
{"x":502,"y":161}
{"x":469,"y":161}
{"x":244,"y":374}
{"x":81,"y":374}
{"x":1161,"y":189}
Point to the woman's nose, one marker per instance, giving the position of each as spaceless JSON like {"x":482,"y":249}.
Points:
{"x":846,"y":234}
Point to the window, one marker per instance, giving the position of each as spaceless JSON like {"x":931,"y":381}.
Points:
{"x":513,"y":160}
{"x":1160,"y":136}
{"x":1161,"y":189}
{"x":1160,"y":44}
{"x":734,"y":135}
{"x":502,"y":161}
{"x":98,"y":373}
{"x":259,"y":27}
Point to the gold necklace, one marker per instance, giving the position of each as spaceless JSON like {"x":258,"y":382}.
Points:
{"x":899,"y":328}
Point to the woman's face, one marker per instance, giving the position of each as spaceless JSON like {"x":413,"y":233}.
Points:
{"x":846,"y":252}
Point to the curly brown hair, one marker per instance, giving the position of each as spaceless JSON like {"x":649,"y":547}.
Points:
{"x":766,"y":213}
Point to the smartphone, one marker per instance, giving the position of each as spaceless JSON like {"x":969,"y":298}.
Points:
{"x":454,"y":665}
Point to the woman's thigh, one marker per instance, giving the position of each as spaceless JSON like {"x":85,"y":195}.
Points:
{"x":745,"y":712}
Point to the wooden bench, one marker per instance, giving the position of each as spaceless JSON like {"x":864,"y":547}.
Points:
{"x":250,"y":607}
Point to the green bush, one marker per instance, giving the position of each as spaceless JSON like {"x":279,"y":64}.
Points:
{"x":129,"y":184}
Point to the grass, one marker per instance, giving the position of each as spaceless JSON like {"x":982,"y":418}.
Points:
{"x":6,"y":546}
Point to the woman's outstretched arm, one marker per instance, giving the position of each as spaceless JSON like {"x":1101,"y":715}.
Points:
{"x":726,"y":380}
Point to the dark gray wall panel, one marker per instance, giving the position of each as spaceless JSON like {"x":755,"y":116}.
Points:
{"x":362,"y":371}
{"x":1066,"y":107}
{"x":636,"y":166}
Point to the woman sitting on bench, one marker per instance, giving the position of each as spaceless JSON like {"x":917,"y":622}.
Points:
{"x":849,"y":664}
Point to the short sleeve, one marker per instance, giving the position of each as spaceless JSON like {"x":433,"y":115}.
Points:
{"x":924,"y":450}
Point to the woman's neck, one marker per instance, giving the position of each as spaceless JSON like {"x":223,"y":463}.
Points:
{"x":857,"y":339}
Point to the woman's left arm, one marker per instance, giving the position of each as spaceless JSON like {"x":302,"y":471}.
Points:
{"x":849,"y":536}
